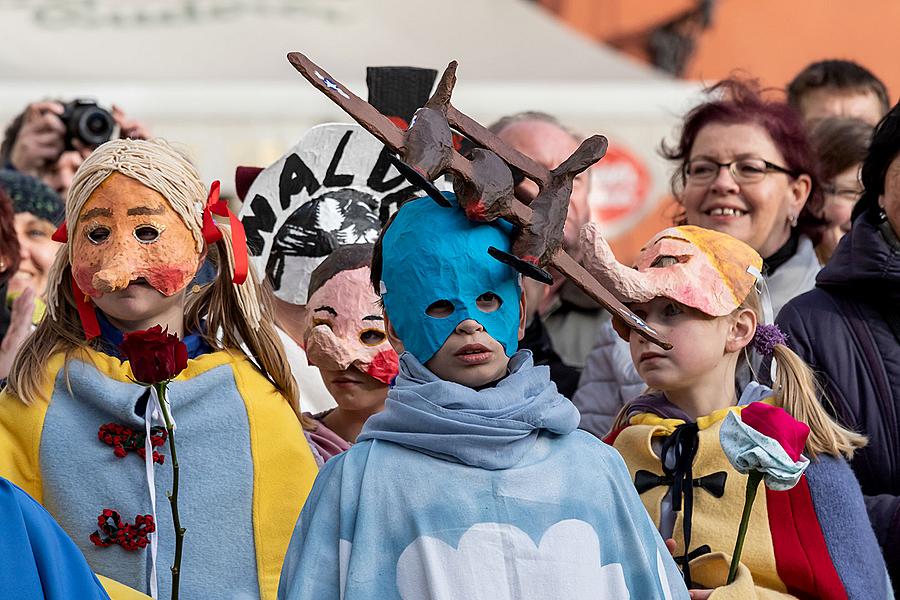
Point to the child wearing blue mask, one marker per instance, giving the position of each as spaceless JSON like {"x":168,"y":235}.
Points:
{"x":473,"y":482}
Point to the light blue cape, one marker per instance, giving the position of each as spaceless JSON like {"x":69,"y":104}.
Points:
{"x":454,"y":493}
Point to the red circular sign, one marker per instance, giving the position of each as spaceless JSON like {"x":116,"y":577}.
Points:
{"x":620,"y":185}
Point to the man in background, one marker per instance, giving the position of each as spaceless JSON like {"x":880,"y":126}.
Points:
{"x":838,"y":88}
{"x":562,"y":320}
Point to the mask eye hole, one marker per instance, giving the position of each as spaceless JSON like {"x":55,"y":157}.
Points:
{"x":371,"y":337}
{"x":147,"y":234}
{"x":98,"y":235}
{"x":662,"y":262}
{"x":488,"y":302}
{"x":440,"y":309}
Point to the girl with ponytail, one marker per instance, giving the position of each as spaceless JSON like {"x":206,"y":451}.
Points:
{"x":700,"y":289}
{"x":139,"y":225}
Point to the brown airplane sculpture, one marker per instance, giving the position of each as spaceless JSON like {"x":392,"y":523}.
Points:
{"x":483,"y":180}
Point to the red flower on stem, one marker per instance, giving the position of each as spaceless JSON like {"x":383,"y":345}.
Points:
{"x":156,"y":358}
{"x":765,"y":443}
{"x":155,"y":355}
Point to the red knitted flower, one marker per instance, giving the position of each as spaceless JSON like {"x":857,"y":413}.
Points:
{"x":111,"y":531}
{"x":777,"y":424}
{"x":124,"y":439}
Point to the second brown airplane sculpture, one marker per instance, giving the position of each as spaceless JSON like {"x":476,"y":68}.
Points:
{"x":483,"y":180}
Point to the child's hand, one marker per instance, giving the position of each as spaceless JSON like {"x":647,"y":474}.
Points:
{"x":670,"y":546}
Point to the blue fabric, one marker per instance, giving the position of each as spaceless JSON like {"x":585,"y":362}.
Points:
{"x":112,"y":339}
{"x":558,"y":518}
{"x":492,"y":428}
{"x":432,"y":253}
{"x":81,"y":477}
{"x":840,"y":330}
{"x":37,"y":559}
{"x":848,"y":534}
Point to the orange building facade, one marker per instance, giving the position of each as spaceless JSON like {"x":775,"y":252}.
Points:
{"x":770,"y":40}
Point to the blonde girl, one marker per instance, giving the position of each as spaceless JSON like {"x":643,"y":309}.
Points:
{"x":698,"y":288}
{"x":138,"y":227}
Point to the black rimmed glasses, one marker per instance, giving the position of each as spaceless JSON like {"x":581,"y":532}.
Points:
{"x":744,"y":170}
{"x":839,"y":193}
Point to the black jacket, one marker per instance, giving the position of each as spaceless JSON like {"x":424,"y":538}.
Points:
{"x":848,"y":330}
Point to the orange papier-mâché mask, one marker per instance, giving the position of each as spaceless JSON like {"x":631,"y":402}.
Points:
{"x":704,"y":269}
{"x":128,"y":232}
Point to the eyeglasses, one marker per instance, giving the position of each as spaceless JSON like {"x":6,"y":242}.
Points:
{"x":745,"y":170}
{"x":848,"y":194}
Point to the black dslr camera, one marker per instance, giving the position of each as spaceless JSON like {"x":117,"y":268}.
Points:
{"x":85,"y":121}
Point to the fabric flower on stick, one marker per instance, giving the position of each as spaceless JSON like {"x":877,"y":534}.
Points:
{"x":765,"y":443}
{"x":156,"y":357}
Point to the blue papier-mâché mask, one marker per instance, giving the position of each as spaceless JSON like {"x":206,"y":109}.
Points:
{"x":432,"y":253}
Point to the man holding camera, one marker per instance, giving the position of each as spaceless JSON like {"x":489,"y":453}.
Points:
{"x":50,"y":139}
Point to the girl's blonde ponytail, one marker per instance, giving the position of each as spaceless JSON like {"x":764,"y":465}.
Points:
{"x":796,"y":392}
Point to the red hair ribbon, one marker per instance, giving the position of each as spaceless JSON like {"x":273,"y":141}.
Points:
{"x":61,"y":234}
{"x":211,"y":233}
{"x":82,"y":302}
{"x":86,"y":311}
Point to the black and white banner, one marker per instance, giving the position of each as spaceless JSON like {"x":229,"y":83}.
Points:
{"x":335,"y":187}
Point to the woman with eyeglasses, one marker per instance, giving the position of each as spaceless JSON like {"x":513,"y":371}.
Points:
{"x":744,"y":166}
{"x":840,"y":145}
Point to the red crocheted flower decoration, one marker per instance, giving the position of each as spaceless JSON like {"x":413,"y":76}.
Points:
{"x":124,"y":439}
{"x":112,"y":530}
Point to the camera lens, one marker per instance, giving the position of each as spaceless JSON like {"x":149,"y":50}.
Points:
{"x":95,"y":125}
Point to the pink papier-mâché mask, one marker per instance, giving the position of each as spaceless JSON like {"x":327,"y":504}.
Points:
{"x":701,"y":268}
{"x":345,"y":327}
{"x":126,"y":232}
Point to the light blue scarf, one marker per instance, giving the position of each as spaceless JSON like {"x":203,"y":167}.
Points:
{"x":492,"y":428}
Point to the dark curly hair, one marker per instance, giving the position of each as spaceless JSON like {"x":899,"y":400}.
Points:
{"x":738,"y":102}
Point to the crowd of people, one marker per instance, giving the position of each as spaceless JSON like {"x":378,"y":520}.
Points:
{"x":407,"y":416}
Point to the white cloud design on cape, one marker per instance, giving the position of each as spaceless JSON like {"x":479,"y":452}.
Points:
{"x":497,"y":561}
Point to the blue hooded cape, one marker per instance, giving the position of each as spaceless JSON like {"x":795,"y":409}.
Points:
{"x":454,"y":493}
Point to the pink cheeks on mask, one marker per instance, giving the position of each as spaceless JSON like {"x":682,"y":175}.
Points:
{"x":345,"y":327}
